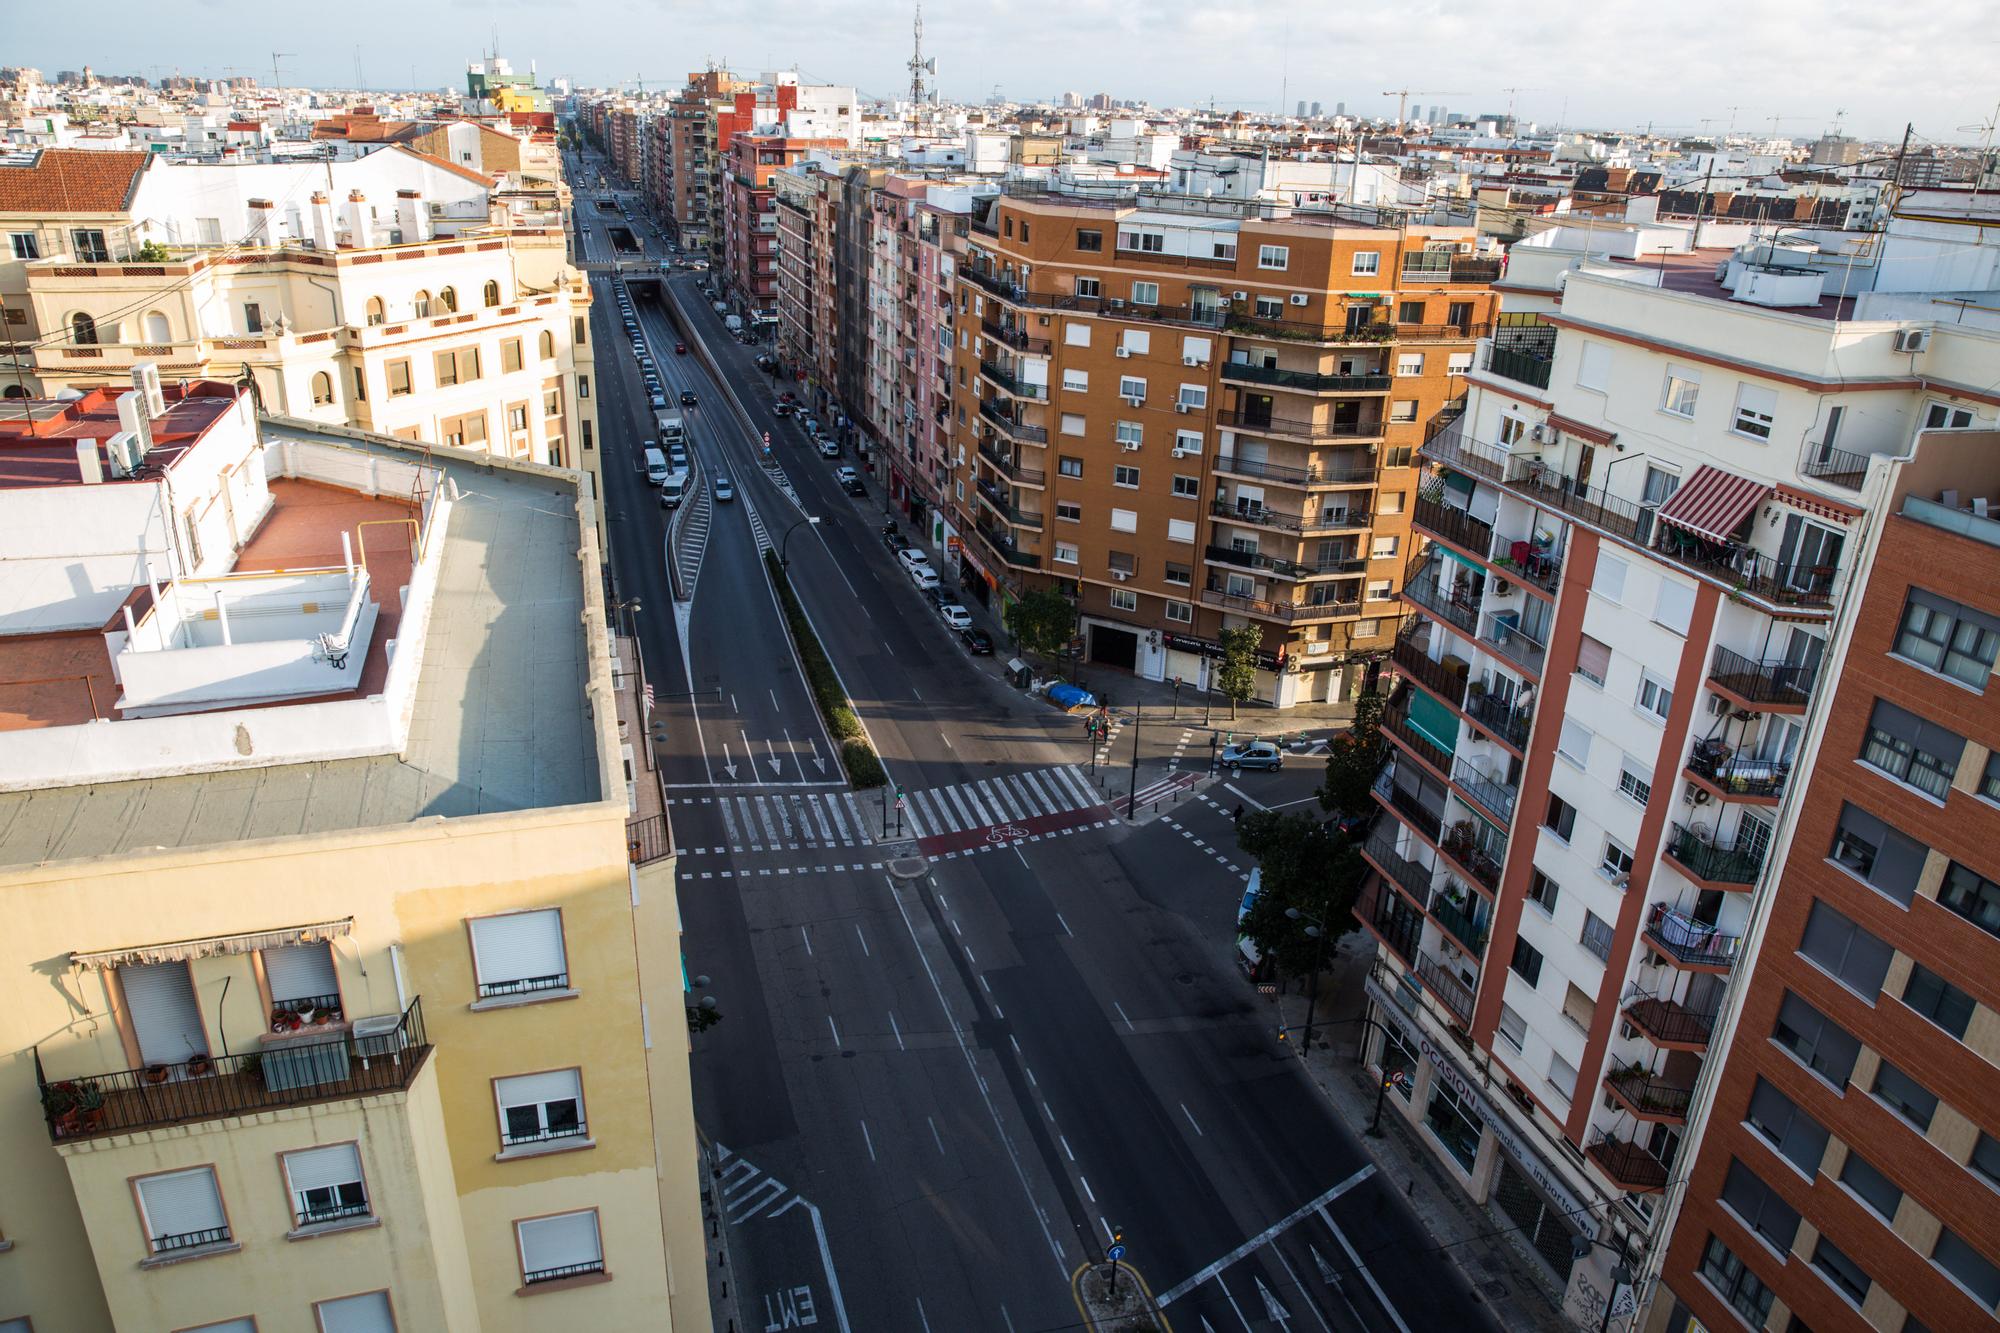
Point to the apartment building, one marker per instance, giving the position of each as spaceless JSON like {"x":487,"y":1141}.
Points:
{"x":1641,"y":536}
{"x":749,"y":223}
{"x":335,"y":918}
{"x":694,"y":137}
{"x":808,"y":326}
{"x":409,"y":300}
{"x":1197,"y":414}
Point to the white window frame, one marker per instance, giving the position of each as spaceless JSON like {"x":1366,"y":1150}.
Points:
{"x":1132,"y":386}
{"x":1065,"y":553}
{"x":1269,"y":307}
{"x":525,"y":1226}
{"x":334,"y":1184}
{"x":1124,"y":520}
{"x":1409,"y":363}
{"x":1075,"y":381}
{"x":1653,"y":692}
{"x":1124,"y":599}
{"x":1680,"y":391}
{"x":1128,"y":432}
{"x":1180,"y":530}
{"x":154,"y":1234}
{"x":1145,"y":293}
{"x":511,"y":930}
{"x":1367,"y":263}
{"x":1181,"y":613}
{"x":1749,"y":420}
{"x":1274,"y":256}
{"x":546,"y":1135}
{"x":1193,"y":396}
{"x":1076,"y":333}
{"x":1118,"y":479}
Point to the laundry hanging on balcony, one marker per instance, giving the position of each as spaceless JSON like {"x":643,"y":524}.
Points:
{"x":1713,"y":503}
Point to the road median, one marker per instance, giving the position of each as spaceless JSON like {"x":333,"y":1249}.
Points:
{"x":857,"y":756}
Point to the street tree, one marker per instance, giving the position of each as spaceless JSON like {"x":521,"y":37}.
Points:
{"x":1307,"y":864}
{"x":1353,"y":758}
{"x":1237,"y":676}
{"x":1041,"y":621}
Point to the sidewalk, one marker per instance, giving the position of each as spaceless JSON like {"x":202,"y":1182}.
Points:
{"x":1479,"y":1241}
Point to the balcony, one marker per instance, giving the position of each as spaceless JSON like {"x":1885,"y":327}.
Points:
{"x":1685,"y":942}
{"x":1476,"y":856}
{"x":1013,"y":471}
{"x":1396,"y":721}
{"x":1446,"y":678}
{"x":1013,"y":337}
{"x":1453,"y":524}
{"x":1501,"y":718}
{"x":1648,"y":1097}
{"x":1627,"y":1165}
{"x":373,"y":1056}
{"x":1003,"y":547}
{"x":1306,"y":330}
{"x":1520,"y":365}
{"x":1468,"y":271}
{"x":1445,"y":986}
{"x":1303,"y":381}
{"x":1774,"y":686}
{"x":1215,"y":594}
{"x":1837,"y":466}
{"x":1296,"y":428}
{"x":1502,"y":632}
{"x":1325,"y":521}
{"x":1009,"y":426}
{"x":1492,"y":795}
{"x":1393,"y":920}
{"x":1457,"y":918}
{"x":1414,"y":812}
{"x":996,"y":500}
{"x":1670,"y":1025}
{"x":1234,"y":466}
{"x":1711,"y":863}
{"x":1736,"y":777}
{"x":1286,"y":569}
{"x":1455,"y":448}
{"x":1528,"y":562}
{"x":1009,"y":384}
{"x":1458,"y":608}
{"x":1413,"y":878}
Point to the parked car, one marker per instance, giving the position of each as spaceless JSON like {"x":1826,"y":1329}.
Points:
{"x":957,"y":616}
{"x":848,"y":479}
{"x":677,"y":458}
{"x":687,"y":398}
{"x":914,"y":558}
{"x":977,"y":642}
{"x":1253,"y":754}
{"x":781,"y":408}
{"x":923,"y":576}
{"x":724,"y":490}
{"x":940,"y":597}
{"x":829,"y":447}
{"x":893,"y":538}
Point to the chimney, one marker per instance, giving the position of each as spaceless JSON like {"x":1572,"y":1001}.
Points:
{"x":88,"y":463}
{"x":412,"y":217}
{"x":354,"y":220}
{"x":264,"y":223}
{"x":323,"y":234}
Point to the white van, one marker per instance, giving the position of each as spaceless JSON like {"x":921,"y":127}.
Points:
{"x":674,"y":491}
{"x":656,"y":467}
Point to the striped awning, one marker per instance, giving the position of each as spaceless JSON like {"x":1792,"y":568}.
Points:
{"x":214,"y":946}
{"x":1713,"y":503}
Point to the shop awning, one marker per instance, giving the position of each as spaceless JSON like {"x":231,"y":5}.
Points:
{"x":1713,"y":503}
{"x":214,"y":946}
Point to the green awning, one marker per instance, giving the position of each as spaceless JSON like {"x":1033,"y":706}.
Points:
{"x":1433,"y":719}
{"x":1459,"y":482}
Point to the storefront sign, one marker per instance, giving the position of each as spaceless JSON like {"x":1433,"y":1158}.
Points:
{"x":1187,"y":643}
{"x":1531,"y":1164}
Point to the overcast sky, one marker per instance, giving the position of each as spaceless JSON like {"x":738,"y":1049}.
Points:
{"x":1584,"y":63}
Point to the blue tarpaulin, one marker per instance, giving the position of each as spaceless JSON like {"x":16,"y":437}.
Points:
{"x":1069,"y":697}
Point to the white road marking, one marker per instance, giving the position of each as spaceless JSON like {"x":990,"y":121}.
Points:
{"x":1065,"y":1147}
{"x":1299,"y":1286}
{"x":806,"y":935}
{"x":869,"y":1140}
{"x":1244,"y":796}
{"x":897,"y":1030}
{"x":1190,"y":1119}
{"x":864,"y":941}
{"x":936,"y":1137}
{"x":1122,"y":1014}
{"x":836,"y":1030}
{"x":1085,"y":1180}
{"x":1366,"y":1276}
{"x":1269,"y":1233}
{"x":1065,"y":925}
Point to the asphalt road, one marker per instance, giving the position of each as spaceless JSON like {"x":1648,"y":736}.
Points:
{"x":935,"y":1097}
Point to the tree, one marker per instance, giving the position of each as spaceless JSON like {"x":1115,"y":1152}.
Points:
{"x":152,"y":252}
{"x":1041,"y":622}
{"x":1303,"y":863}
{"x":1237,"y":676}
{"x":1354,"y":757}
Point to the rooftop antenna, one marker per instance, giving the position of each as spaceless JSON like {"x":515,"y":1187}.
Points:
{"x":918,"y":65}
{"x":276,"y":56}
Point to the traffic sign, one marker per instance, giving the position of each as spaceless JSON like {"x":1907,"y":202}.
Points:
{"x":1115,"y":1253}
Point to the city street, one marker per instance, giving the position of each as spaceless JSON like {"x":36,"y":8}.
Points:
{"x":934,"y":1094}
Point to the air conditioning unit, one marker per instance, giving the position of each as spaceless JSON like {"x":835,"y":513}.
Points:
{"x":1121,"y":574}
{"x":146,"y":382}
{"x":1184,"y":407}
{"x":1122,"y":352}
{"x":1913,"y":340}
{"x":1131,"y":401}
{"x":1180,"y":453}
{"x":1193,"y":361}
{"x":1695,"y":795}
{"x":1541,"y":433}
{"x":1239,"y":296}
{"x":1129,"y":448}
{"x":1116,"y":303}
{"x":1300,"y":298}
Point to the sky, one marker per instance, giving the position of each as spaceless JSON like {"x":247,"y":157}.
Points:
{"x":1691,"y":66}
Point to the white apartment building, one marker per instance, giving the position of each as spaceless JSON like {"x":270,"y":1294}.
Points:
{"x":1641,"y":531}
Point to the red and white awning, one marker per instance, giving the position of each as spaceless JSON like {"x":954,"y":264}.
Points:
{"x":1713,"y":503}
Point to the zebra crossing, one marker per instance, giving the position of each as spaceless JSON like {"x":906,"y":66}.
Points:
{"x":786,"y":822}
{"x":991,"y":802}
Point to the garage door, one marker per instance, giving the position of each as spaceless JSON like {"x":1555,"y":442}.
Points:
{"x":1114,"y":647}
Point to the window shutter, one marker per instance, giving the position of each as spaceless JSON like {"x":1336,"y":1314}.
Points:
{"x":159,"y":997}
{"x":367,"y":1313}
{"x":323,"y":1168}
{"x":560,"y":1242}
{"x":299,"y":971}
{"x":1593,"y":658}
{"x":555,"y":1086}
{"x":184,"y":1202}
{"x":519,"y":945}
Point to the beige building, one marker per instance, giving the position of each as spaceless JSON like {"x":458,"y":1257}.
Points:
{"x":341,"y":986}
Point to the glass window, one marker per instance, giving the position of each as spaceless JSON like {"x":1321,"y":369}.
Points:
{"x":1985,"y":1159}
{"x":1842,"y":1271}
{"x":1542,"y":890}
{"x":1513,"y":1027}
{"x":1938,"y":1000}
{"x":1527,"y":961}
{"x":1561,"y":818}
{"x":1123,"y":475}
{"x":1878,"y":854}
{"x":1178,"y":573}
{"x":1123,"y":599}
{"x":1562,"y":1074}
{"x":1756,"y":406}
{"x":1077,"y":381}
{"x":1973,"y":1270}
{"x":1454,"y":1123}
{"x":182,"y":1210}
{"x":1656,"y":696}
{"x":1069,"y":467}
{"x":538,"y":1108}
{"x":1597,"y":935}
{"x":1948,"y":637}
{"x":1367,"y":263}
{"x":519,"y":953}
{"x":1820,"y":1043}
{"x":1875,"y":1189}
{"x":1635,"y":782}
{"x":1069,"y":511}
{"x":1089,"y":238}
{"x":1762,"y":1208}
{"x":1743,"y":1289}
{"x":1145,"y":293}
{"x":1617,"y":862}
{"x":1065,"y":553}
{"x":1989,"y":777}
{"x":1972,"y":896}
{"x":1799,"y":1139}
{"x":325,"y":1184}
{"x":1274,"y":256}
{"x":1905,"y":1096}
{"x":1911,"y":749}
{"x":1680,"y":390}
{"x":1399,"y":1057}
{"x":1593,"y":659}
{"x":1187,"y":487}
{"x":1856,"y":956}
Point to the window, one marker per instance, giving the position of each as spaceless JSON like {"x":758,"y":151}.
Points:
{"x":1367,"y":263}
{"x":1873,"y":1188}
{"x":1178,"y":573}
{"x":1069,"y":511}
{"x":1186,"y":487}
{"x":1194,"y":397}
{"x":1842,"y":1271}
{"x":546,"y":345}
{"x":360,"y":384}
{"x":1821,"y":1044}
{"x":1123,"y":599}
{"x":1609,"y":580}
{"x":1912,"y":750}
{"x":1407,"y":312}
{"x":1089,"y":239}
{"x":322,"y":388}
{"x":82,"y":330}
{"x":1593,"y":367}
{"x":1380,"y":590}
{"x":1985,"y":1159}
{"x":1905,"y":1096}
{"x":1573,"y":742}
{"x":1180,"y":612}
{"x":366,"y":1313}
{"x":88,"y":243}
{"x":1972,"y":896}
{"x":1513,"y":1027}
{"x":1457,"y":363}
{"x":301,"y":978}
{"x":1526,"y":962}
{"x":25,"y":245}
{"x":325,"y":1184}
{"x":1989,"y":777}
{"x":1680,"y":390}
{"x":1077,"y":381}
{"x":490,"y":293}
{"x":1145,"y":293}
{"x":465,"y":431}
{"x":1180,"y":530}
{"x":566,"y":1245}
{"x":1562,"y":1074}
{"x":182,"y":1211}
{"x":1196,"y":350}
{"x":510,"y":355}
{"x":1755,"y":408}
{"x":1853,"y":955}
{"x":1065,"y":553}
{"x":420,"y":305}
{"x":1072,"y":423}
{"x":1131,"y":387}
{"x":1673,"y":605}
{"x":541,"y":1108}
{"x":448,"y":300}
{"x":246,"y":1324}
{"x":1938,"y":1000}
{"x":1123,"y":475}
{"x":1597,"y":935}
{"x":1403,"y":410}
{"x":1124,"y":520}
{"x":1069,"y":467}
{"x":1743,"y":1289}
{"x":447,"y":368}
{"x":579,"y":330}
{"x":1561,"y":818}
{"x":1136,"y":342}
{"x":1971,"y":1269}
{"x":253,"y":317}
{"x":583,"y":386}
{"x":1076,"y":333}
{"x":1947,"y":637}
{"x":1454,"y":1124}
{"x":377,"y":313}
{"x":1943,"y":416}
{"x":1616,"y":863}
{"x":1799,"y":1139}
{"x":1389,"y":502}
{"x":1274,"y":256}
{"x":1270,"y":307}
{"x":517,"y":417}
{"x":1383,"y":548}
{"x":1224,"y":249}
{"x":1656,"y":696}
{"x":1410,"y":363}
{"x":1146,"y":242}
{"x":1542,"y":891}
{"x":1762,"y":1209}
{"x":519,"y":953}
{"x":1877,"y":854}
{"x":552,"y":402}
{"x":1367,"y":628}
{"x":1635,"y":781}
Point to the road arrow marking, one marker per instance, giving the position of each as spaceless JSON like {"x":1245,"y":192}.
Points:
{"x":816,"y":758}
{"x":1326,"y":1273}
{"x":728,"y":764}
{"x":1272,"y":1310}
{"x":776,"y":763}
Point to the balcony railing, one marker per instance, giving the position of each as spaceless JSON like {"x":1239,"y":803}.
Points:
{"x":1305,"y":330}
{"x":1460,"y":923}
{"x":1215,"y":594}
{"x":1458,"y":608}
{"x":1463,"y":845}
{"x":1008,"y":383}
{"x":1014,"y":337}
{"x":283,"y":1073}
{"x":1491,"y":793}
{"x":1521,"y":366}
{"x":1526,"y":561}
{"x":1669,"y":1023}
{"x":1446,"y":679}
{"x":1845,"y":470}
{"x":1738,"y":775}
{"x":1682,"y":939}
{"x":1004,"y":547}
{"x":1509,"y":721}
{"x":1026,"y":476}
{"x":1443,"y":983}
{"x":1378,"y":906}
{"x":1648,"y":1097}
{"x":1256,"y":467}
{"x":997,"y":501}
{"x":1786,"y":583}
{"x":1785,"y":684}
{"x":1459,"y":271}
{"x":1632,"y":1168}
{"x":1326,"y":520}
{"x":1711,"y":861}
{"x":1419,"y":816}
{"x":1456,"y":449}
{"x":1298,"y":428}
{"x":584,"y":1269}
{"x":1412,"y":876}
{"x":1290,"y":569}
{"x":1017,"y":429}
{"x":1395,"y":721}
{"x":1305,"y":381}
{"x":1503,"y":632}
{"x":1546,"y":486}
{"x":1454,"y":525}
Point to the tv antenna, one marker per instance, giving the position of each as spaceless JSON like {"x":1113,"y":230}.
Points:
{"x":276,"y":56}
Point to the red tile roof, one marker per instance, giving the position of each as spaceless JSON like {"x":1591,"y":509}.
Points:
{"x":63,"y":181}
{"x":452,"y":167}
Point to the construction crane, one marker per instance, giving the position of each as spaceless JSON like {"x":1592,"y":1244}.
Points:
{"x":1403,"y":96}
{"x":1511,"y":98}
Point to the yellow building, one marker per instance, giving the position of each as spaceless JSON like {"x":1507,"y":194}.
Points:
{"x":324,"y":1031}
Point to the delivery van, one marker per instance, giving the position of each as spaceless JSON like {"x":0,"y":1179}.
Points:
{"x":674,"y":491}
{"x":656,"y":467}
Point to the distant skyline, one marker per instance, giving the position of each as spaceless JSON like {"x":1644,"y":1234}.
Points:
{"x":1698,"y":67}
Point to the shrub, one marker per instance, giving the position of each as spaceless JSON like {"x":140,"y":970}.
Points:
{"x":864,"y":769}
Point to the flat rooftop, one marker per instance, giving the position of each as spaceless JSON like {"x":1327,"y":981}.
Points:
{"x":1694,"y":272}
{"x":38,"y":437}
{"x":500,"y":720}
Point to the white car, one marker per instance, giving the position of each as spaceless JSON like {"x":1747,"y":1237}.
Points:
{"x":913,"y":558}
{"x":956,"y":616}
{"x":923,"y":576}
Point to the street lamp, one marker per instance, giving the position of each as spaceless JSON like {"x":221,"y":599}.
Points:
{"x":1315,"y":929}
{"x":1621,"y":1275}
{"x":784,"y":542}
{"x":622,"y":604}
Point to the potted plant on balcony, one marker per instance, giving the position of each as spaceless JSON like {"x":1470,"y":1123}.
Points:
{"x":285,"y":1020}
{"x":1458,"y":839}
{"x":200,"y":1066}
{"x":157,"y":1073}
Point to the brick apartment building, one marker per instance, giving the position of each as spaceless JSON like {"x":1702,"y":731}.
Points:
{"x":748,"y":226}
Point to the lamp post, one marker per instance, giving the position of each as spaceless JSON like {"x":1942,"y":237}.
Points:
{"x":619,"y":605}
{"x":1621,"y":1273}
{"x":784,"y":542}
{"x":1374,"y":1130}
{"x":1315,"y":929}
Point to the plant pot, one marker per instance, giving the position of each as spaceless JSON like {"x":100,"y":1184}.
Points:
{"x":200,"y":1066}
{"x":157,"y":1073}
{"x":322,"y":1018}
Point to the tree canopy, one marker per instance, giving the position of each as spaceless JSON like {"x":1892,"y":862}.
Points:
{"x":1041,"y":621}
{"x":1307,"y":864}
{"x":1353,"y":758}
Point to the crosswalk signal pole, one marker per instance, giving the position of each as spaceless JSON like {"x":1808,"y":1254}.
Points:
{"x":1132,"y":794}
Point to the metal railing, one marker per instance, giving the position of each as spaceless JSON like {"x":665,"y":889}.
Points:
{"x":1259,"y":516}
{"x":1845,"y":470}
{"x":1508,"y":721}
{"x":1453,"y":524}
{"x":1005,"y":548}
{"x":1650,"y":1096}
{"x":1685,"y":940}
{"x":546,"y":1134}
{"x":1018,"y":429}
{"x":1215,"y":595}
{"x":1014,"y":337}
{"x":1630,"y":1166}
{"x":1290,"y":569}
{"x":1462,"y":845}
{"x":1771,"y":682}
{"x":1446,"y":679}
{"x":1460,"y":270}
{"x":1523,"y":367}
{"x":1520,"y":559}
{"x":1440,"y":981}
{"x":1396,"y":721}
{"x":524,"y":985}
{"x":1783,"y":582}
{"x":1669,"y":1020}
{"x":1712,"y":861}
{"x":1459,"y":610}
{"x":1255,"y":467}
{"x":1456,"y":449}
{"x":1547,"y":486}
{"x":1026,"y":476}
{"x":189,"y":1240}
{"x":1008,"y":383}
{"x":1735,"y":775}
{"x":1414,"y":877}
{"x":1305,"y":330}
{"x":1377,"y":907}
{"x":1492,"y":793}
{"x":649,"y":839}
{"x":1243,"y":372}
{"x":1295,"y":428}
{"x":541,"y":1275}
{"x":1459,"y":923}
{"x":1503,"y":633}
{"x":332,"y":1212}
{"x":1419,"y":816}
{"x":283,"y":1073}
